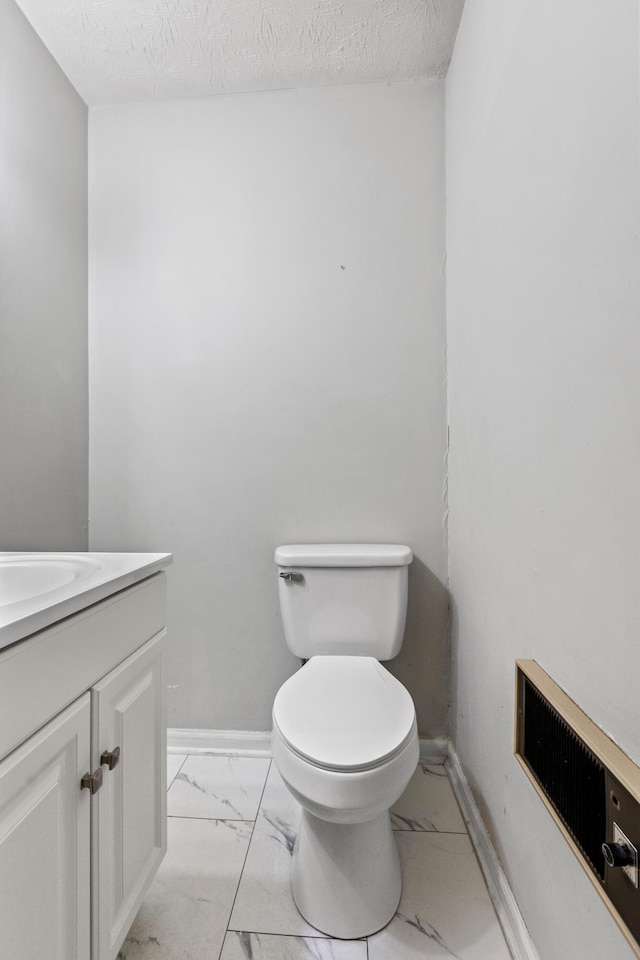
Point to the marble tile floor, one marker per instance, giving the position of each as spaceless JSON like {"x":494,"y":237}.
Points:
{"x":222,"y":892}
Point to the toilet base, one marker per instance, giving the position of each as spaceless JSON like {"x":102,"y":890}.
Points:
{"x":345,"y":877}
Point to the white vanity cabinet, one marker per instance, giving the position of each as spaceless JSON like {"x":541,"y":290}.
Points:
{"x":130,"y":835}
{"x":76,"y":699}
{"x":45,"y":842}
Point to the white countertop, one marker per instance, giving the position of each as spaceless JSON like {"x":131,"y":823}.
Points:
{"x":38,"y":589}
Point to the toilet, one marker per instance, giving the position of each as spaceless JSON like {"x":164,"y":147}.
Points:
{"x":345,"y":738}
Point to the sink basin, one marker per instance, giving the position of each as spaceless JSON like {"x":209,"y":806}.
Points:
{"x":32,"y":575}
{"x":37,"y":589}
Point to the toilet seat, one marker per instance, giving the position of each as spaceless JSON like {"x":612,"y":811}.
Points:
{"x":344,"y":714}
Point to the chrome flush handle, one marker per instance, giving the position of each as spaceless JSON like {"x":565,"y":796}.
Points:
{"x":291,"y":576}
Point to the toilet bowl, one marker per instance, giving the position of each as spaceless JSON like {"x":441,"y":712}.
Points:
{"x":345,"y":742}
{"x":345,"y":737}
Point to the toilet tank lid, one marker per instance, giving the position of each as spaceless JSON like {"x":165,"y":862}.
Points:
{"x":343,"y":555}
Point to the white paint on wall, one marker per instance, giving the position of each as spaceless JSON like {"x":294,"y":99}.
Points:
{"x":43,"y":297}
{"x":543,"y":300}
{"x":266,"y":343}
{"x":117,"y":51}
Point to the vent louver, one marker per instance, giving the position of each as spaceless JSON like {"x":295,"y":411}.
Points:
{"x":571,"y":776}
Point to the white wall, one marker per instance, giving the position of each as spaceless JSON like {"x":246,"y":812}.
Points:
{"x":266,"y":343}
{"x":544,"y":351}
{"x":43,"y":297}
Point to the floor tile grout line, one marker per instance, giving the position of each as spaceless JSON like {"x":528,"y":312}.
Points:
{"x":173,"y":779}
{"x":186,"y":816}
{"x":214,"y":819}
{"x":435,"y":833}
{"x":300,"y":936}
{"x":235,"y":896}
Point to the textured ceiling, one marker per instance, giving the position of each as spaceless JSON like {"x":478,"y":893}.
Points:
{"x":124,"y":50}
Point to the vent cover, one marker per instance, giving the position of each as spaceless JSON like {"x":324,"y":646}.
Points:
{"x":571,"y":776}
{"x":589,"y":786}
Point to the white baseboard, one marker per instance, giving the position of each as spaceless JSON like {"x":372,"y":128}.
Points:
{"x":511,"y":921}
{"x":237,"y":743}
{"x":257,"y":743}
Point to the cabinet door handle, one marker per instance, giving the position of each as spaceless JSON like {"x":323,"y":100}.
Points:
{"x":92,"y":781}
{"x":111,"y":758}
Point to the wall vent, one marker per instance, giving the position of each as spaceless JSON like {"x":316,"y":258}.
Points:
{"x":590,"y":787}
{"x":570,"y":775}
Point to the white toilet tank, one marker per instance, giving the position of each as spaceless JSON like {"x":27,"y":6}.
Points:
{"x":346,"y":599}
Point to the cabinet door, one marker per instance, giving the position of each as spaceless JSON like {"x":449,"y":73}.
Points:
{"x":44,"y":842}
{"x":130,"y":811}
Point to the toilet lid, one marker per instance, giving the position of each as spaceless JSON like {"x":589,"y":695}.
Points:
{"x":344,"y":713}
